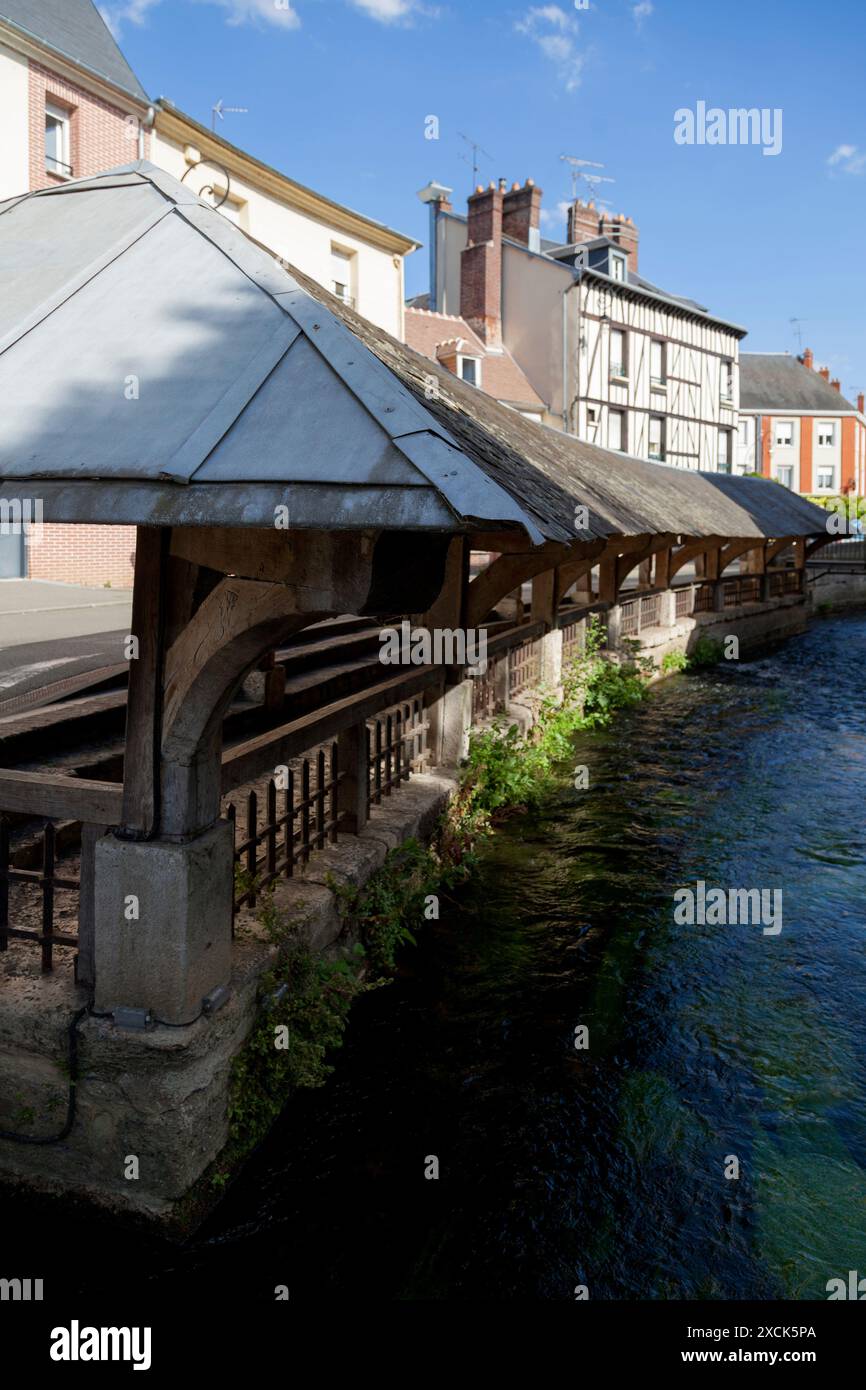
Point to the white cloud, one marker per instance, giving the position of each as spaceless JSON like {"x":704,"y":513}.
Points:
{"x":848,"y":159}
{"x":393,"y":11}
{"x":553,"y":218}
{"x":128,"y":11}
{"x":282,"y":13}
{"x":641,"y":11}
{"x":555,"y":33}
{"x":278,"y":12}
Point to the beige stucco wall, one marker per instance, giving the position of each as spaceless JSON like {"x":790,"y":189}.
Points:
{"x":14,"y":139}
{"x":301,"y":239}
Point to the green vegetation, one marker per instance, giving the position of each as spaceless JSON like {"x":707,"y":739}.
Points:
{"x":674,"y":661}
{"x":395,"y":899}
{"x":707,"y":651}
{"x":844,"y":504}
{"x":506,"y":769}
{"x":305,"y":1001}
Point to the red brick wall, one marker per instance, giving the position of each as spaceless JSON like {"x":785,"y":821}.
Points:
{"x":101,"y":136}
{"x":84,"y":554}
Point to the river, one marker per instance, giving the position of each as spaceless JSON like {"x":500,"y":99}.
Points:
{"x":603,"y":1166}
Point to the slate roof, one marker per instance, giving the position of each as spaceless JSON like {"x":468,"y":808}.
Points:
{"x":158,"y":367}
{"x":75,"y":29}
{"x":777,"y":381}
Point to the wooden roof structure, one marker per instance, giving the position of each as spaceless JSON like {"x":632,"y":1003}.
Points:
{"x":157,"y":367}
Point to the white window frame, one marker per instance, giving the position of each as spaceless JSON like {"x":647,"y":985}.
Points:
{"x":727,"y":436}
{"x":659,"y":383}
{"x":825,"y":468}
{"x":726,"y":380}
{"x":619,"y":367}
{"x":469,"y":357}
{"x":827,"y":443}
{"x":785,"y":468}
{"x":660,"y":456}
{"x":783,"y":443}
{"x":345,"y":290}
{"x":618,"y":267}
{"x":619,"y":448}
{"x":64,"y":120}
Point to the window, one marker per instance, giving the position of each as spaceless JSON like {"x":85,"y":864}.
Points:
{"x":727,"y":380}
{"x":826,"y":435}
{"x":616,"y":430}
{"x":57,"y":140}
{"x":785,"y":432}
{"x":470,"y":370}
{"x":826,"y":476}
{"x":723,"y":458}
{"x":658,"y":374}
{"x":618,"y":364}
{"x":785,"y":476}
{"x":343,"y":275}
{"x":617,"y":266}
{"x":592,"y":414}
{"x":656,"y":438}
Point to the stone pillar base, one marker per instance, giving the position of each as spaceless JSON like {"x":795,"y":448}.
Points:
{"x":163,"y":923}
{"x":450,"y":720}
{"x":551,"y":659}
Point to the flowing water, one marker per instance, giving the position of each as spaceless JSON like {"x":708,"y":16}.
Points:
{"x":603,"y":1166}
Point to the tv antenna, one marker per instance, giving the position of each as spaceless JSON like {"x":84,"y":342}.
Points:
{"x":577,"y":171}
{"x":797,"y":327}
{"x":476,"y":151}
{"x":219,"y":109}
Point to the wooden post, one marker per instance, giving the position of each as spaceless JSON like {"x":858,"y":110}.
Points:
{"x":607,"y":578}
{"x":353,"y":789}
{"x":140,"y":815}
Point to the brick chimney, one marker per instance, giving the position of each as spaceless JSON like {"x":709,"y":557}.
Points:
{"x":861,"y":403}
{"x":836,"y":384}
{"x":825,"y":373}
{"x":521,"y":215}
{"x":809,"y":359}
{"x":584,"y":222}
{"x":623,"y":231}
{"x":481,"y":264}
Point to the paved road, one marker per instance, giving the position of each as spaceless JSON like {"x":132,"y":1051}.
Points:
{"x":35,"y":664}
{"x":36,"y":610}
{"x":51,"y":631}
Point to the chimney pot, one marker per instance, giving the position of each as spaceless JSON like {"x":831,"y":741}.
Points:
{"x":836,"y":384}
{"x":809,"y":359}
{"x":825,"y":373}
{"x":861,"y":403}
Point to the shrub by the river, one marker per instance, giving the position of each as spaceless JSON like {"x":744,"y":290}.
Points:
{"x":506,"y":769}
{"x":707,"y":651}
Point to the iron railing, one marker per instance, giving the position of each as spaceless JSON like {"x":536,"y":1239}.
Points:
{"x":46,"y":881}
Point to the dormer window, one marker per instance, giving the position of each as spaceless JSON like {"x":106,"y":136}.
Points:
{"x":618,"y":266}
{"x":469,"y":368}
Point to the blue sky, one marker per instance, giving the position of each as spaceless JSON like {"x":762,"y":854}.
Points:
{"x":339,"y":91}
